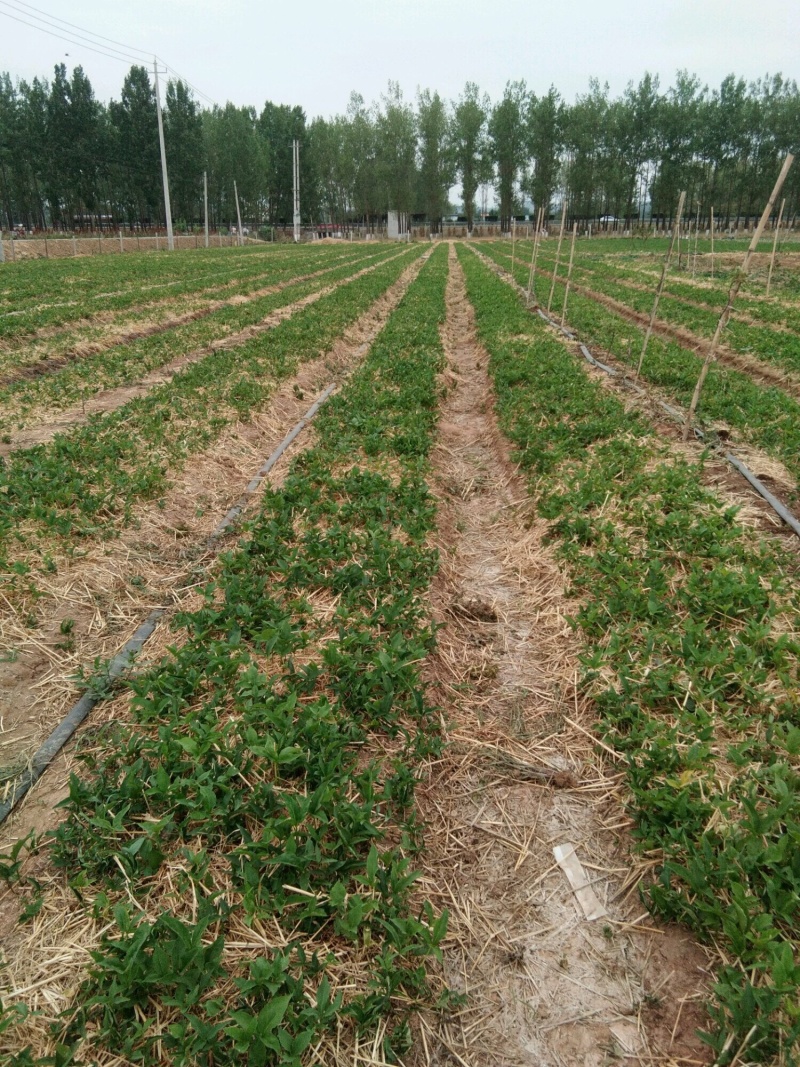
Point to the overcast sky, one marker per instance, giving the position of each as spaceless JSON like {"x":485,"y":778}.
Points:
{"x":315,"y":52}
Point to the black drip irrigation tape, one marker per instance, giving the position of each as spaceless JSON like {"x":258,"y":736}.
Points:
{"x":780,"y":510}
{"x":50,"y":748}
{"x":75,"y":716}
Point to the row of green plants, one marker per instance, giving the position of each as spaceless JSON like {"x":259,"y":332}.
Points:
{"x":690,"y":625}
{"x":643,"y":257}
{"x":262,"y":789}
{"x":22,"y":400}
{"x":85,"y":482}
{"x":29,"y":283}
{"x":711,"y":294}
{"x":74,"y":317}
{"x":778,"y":347}
{"x":763,"y":416}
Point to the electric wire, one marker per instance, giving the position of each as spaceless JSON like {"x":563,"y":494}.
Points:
{"x":75,"y":26}
{"x":82,"y":37}
{"x":70,"y":40}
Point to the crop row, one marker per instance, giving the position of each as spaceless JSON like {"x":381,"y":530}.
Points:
{"x":645,"y":259}
{"x":85,"y":482}
{"x":73,"y":381}
{"x":245,"y":840}
{"x":765,"y":416}
{"x":193,"y":283}
{"x":690,"y":623}
{"x":778,"y":347}
{"x":774,"y":311}
{"x":26,"y":283}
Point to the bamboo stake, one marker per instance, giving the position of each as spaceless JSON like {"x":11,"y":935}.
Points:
{"x":558,"y":255}
{"x":712,"y":242}
{"x":696,"y":238}
{"x":660,"y":287}
{"x":775,"y":245}
{"x":534,"y":255}
{"x":736,"y":285}
{"x":569,"y":271}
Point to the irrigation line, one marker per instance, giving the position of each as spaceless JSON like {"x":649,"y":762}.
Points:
{"x":77,"y":713}
{"x":780,"y":509}
{"x":50,"y":748}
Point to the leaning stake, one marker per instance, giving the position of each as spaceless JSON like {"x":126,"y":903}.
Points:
{"x":534,"y":254}
{"x":558,"y":255}
{"x":775,"y":245}
{"x":569,"y":271}
{"x":660,"y":286}
{"x":733,"y":292}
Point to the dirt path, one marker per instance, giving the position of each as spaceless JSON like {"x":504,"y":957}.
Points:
{"x":110,"y":399}
{"x":544,"y":985}
{"x":159,"y":559}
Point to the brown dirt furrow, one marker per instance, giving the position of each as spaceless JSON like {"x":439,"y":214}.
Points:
{"x":161,"y":558}
{"x":125,"y":335}
{"x":109,"y":399}
{"x":523,"y":774}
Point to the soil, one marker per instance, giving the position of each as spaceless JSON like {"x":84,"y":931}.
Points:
{"x":522,"y":774}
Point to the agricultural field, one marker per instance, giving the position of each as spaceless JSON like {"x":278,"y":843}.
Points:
{"x":476,"y":728}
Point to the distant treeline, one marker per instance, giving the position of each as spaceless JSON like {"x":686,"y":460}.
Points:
{"x":70,"y":161}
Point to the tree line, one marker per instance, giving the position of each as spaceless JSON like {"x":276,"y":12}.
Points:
{"x":70,"y":161}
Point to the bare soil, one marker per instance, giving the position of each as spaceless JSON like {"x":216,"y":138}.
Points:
{"x":522,"y":774}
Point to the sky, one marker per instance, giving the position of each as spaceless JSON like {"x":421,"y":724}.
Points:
{"x":316,"y":52}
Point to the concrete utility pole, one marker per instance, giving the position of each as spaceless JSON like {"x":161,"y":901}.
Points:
{"x":296,"y":170}
{"x":238,"y":216}
{"x":165,"y":180}
{"x":205,"y":202}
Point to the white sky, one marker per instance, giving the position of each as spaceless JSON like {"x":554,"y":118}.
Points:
{"x":314,"y":52}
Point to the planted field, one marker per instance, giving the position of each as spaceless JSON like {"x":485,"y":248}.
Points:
{"x":743,"y":401}
{"x":488,"y":635}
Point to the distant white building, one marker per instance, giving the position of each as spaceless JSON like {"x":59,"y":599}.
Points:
{"x":397,"y":225}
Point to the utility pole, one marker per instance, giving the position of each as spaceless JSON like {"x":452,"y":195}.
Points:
{"x":205,"y":202}
{"x":165,"y":180}
{"x":238,"y":216}
{"x":296,"y":170}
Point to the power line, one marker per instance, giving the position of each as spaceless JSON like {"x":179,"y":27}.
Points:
{"x":54,"y":18}
{"x":70,"y":40}
{"x":50,"y":27}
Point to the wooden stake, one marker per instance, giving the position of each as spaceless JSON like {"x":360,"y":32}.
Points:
{"x":736,"y":285}
{"x":513,"y":244}
{"x":712,"y":242}
{"x":569,"y":271}
{"x":696,"y":238}
{"x":775,"y":245}
{"x":558,"y":255}
{"x":534,"y":254}
{"x":660,"y":287}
